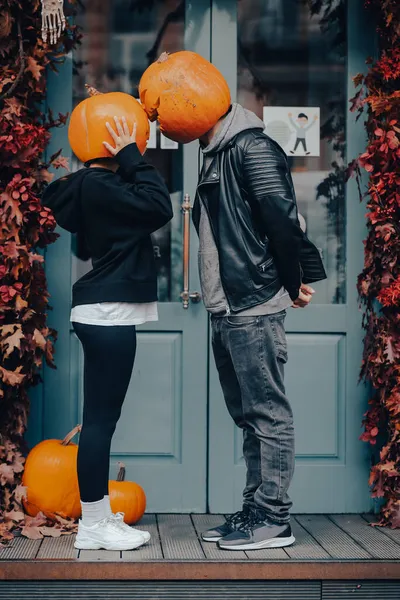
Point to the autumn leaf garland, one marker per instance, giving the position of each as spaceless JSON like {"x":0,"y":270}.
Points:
{"x":379,"y":282}
{"x":26,"y":227}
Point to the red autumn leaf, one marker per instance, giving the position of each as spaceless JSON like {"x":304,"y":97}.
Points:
{"x":15,"y":515}
{"x":10,"y":250}
{"x":7,"y":474}
{"x":13,"y":341}
{"x":32,"y":532}
{"x":20,"y":493}
{"x":12,"y":377}
{"x":34,"y":67}
{"x":54,"y":532}
{"x":39,"y":339}
{"x":61,"y":163}
{"x":20,"y":303}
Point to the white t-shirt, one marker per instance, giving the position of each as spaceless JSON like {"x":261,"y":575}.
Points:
{"x":115,"y":313}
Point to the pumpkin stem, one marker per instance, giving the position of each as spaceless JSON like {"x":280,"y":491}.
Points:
{"x":71,"y":434}
{"x":163,"y":57}
{"x":121,"y":472}
{"x":92,"y":90}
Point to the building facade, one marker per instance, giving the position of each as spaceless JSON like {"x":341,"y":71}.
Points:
{"x":175,"y":436}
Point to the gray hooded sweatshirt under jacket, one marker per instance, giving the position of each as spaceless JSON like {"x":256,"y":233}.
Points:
{"x":237,"y":120}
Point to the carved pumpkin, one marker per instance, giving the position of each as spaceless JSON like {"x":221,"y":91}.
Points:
{"x":87,"y":127}
{"x":51,"y":479}
{"x":127,"y":497}
{"x":186,"y":93}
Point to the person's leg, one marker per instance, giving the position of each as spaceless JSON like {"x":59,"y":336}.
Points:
{"x":298,"y":140}
{"x":257,"y":346}
{"x":109,"y":354}
{"x":231,"y":390}
{"x":305,"y":146}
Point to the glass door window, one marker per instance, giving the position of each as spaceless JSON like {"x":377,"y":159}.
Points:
{"x":121,"y":39}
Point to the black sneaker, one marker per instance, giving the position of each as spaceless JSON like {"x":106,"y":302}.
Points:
{"x":257,"y":533}
{"x":231,"y":524}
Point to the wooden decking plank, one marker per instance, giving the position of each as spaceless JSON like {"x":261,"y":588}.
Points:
{"x":179,"y":540}
{"x":103,"y":555}
{"x":59,"y":548}
{"x":210,"y":549}
{"x":151,"y":550}
{"x":394,"y":534}
{"x":305,"y":547}
{"x":370,"y":538}
{"x":336,"y":542}
{"x":268,"y":554}
{"x":20,"y":548}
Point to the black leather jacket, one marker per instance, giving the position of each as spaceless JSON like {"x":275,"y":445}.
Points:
{"x":248,"y":193}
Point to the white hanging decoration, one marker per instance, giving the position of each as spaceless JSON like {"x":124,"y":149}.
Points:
{"x":53,"y":20}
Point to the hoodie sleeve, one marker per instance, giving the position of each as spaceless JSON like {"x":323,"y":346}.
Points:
{"x":267,"y":182}
{"x":138,"y":194}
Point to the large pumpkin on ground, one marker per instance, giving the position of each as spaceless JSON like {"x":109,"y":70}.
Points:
{"x":127,"y":497}
{"x":87,"y":127}
{"x":186,"y":93}
{"x":50,"y":477}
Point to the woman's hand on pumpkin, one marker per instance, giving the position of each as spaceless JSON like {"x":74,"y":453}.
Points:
{"x":122,"y":137}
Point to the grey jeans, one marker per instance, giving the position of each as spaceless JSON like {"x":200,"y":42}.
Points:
{"x":250,"y":353}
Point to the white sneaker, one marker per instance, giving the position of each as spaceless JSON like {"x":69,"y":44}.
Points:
{"x":119,"y":518}
{"x":108,"y":535}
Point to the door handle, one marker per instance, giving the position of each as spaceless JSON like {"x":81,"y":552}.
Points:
{"x":186,"y":295}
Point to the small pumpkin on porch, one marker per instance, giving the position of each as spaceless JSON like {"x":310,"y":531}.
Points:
{"x":186,"y":93}
{"x":87,"y":127}
{"x":51,"y":480}
{"x":127,"y":497}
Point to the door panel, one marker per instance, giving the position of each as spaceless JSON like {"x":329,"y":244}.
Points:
{"x":162,"y":434}
{"x":278,"y":56}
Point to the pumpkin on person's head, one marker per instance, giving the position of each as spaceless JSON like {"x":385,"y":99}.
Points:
{"x":87,"y":127}
{"x":51,"y":479}
{"x":186,"y":93}
{"x":127,"y":497}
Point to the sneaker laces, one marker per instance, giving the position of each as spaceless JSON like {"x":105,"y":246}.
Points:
{"x":251,"y":519}
{"x":118,"y":519}
{"x":114,"y":522}
{"x":237,"y":517}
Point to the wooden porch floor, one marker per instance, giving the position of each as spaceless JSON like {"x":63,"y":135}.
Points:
{"x":327,"y":547}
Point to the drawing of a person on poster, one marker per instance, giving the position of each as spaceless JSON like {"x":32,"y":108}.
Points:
{"x":301,"y":126}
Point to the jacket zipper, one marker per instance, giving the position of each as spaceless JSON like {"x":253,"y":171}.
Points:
{"x":227,"y":308}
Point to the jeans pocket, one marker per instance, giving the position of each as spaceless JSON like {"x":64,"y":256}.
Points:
{"x":279,"y":334}
{"x":241,"y":321}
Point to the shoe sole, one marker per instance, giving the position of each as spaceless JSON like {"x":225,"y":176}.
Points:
{"x":123,"y":545}
{"x":276,"y":543}
{"x":211,"y":539}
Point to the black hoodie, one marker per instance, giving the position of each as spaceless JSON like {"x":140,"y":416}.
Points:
{"x":114,"y":213}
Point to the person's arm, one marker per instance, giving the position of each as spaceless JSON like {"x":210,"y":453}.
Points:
{"x":315,"y":119}
{"x":143,"y":195}
{"x":143,"y":189}
{"x":270,"y":194}
{"x":293,"y":122}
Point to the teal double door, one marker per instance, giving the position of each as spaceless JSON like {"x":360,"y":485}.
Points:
{"x":175,"y":436}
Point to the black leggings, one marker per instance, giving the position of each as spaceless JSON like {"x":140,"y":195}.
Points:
{"x":109,"y":354}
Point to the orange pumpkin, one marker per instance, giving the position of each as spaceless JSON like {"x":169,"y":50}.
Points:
{"x":186,"y":93}
{"x":127,"y":497}
{"x":51,"y":479}
{"x":87,"y":127}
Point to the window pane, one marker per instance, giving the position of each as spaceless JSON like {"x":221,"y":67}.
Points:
{"x":288,"y":59}
{"x":121,"y":38}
